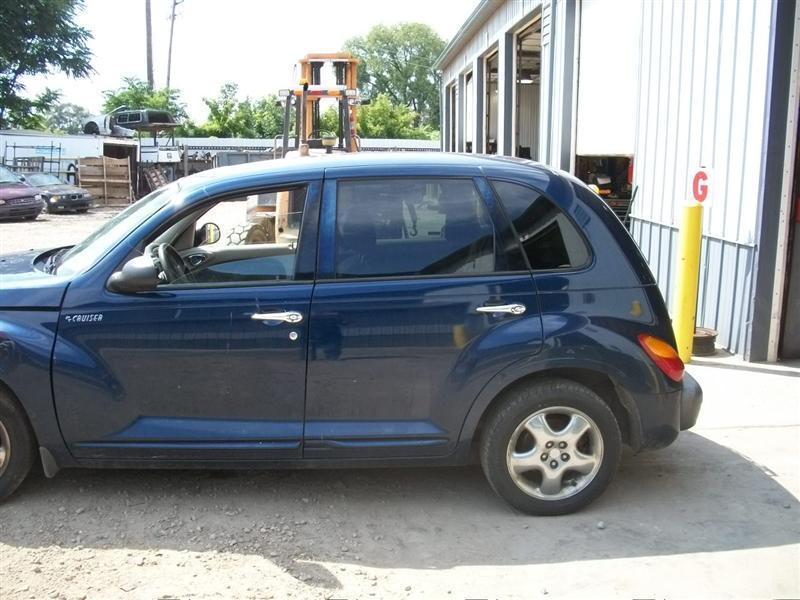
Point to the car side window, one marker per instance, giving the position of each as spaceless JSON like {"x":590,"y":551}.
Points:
{"x":248,"y":239}
{"x":548,"y":237}
{"x":412,"y":226}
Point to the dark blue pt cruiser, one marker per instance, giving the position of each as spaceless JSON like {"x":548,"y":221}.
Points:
{"x":349,"y":311}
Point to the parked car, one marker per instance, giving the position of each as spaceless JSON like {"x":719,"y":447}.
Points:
{"x":124,"y":122}
{"x":402,"y":309}
{"x":59,"y":196}
{"x":18,"y":200}
{"x":107,"y":125}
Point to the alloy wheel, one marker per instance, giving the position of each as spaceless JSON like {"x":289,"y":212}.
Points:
{"x":554,"y":453}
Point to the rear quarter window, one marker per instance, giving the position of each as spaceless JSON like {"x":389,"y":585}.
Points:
{"x":549,"y":238}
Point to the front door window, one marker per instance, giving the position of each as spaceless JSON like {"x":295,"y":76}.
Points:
{"x":244,"y":240}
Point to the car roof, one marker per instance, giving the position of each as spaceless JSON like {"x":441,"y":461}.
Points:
{"x":353,"y":163}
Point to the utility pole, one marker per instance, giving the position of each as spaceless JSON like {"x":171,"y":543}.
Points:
{"x":149,"y":38}
{"x":175,"y":4}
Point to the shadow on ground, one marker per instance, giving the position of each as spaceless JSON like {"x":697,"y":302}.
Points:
{"x":695,"y":496}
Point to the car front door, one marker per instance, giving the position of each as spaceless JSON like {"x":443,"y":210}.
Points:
{"x":211,"y":366}
{"x":418,"y":304}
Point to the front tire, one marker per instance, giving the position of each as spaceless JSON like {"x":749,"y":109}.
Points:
{"x":17,"y":447}
{"x":551,"y":448}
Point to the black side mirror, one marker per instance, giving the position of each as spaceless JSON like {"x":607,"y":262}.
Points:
{"x":207,"y":234}
{"x":22,"y":178}
{"x":137,"y":275}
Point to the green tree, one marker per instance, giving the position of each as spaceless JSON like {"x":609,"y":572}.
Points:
{"x":135,"y":94}
{"x":38,"y":36}
{"x":398,"y":61}
{"x":329,"y":121}
{"x":66,"y":118}
{"x":35,"y":114}
{"x":268,"y":117}
{"x":382,"y":118}
{"x":230,"y":116}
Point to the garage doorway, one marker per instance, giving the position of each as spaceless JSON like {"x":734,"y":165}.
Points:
{"x":451,"y":92}
{"x":492,"y":102}
{"x":528,"y":81}
{"x":469,"y":112}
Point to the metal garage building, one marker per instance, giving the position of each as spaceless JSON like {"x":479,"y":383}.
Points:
{"x":665,"y":89}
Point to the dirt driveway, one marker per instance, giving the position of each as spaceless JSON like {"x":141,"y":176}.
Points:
{"x":715,"y":515}
{"x":49,"y":231}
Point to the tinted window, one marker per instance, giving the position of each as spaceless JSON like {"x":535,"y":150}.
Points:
{"x":548,"y":237}
{"x":390,"y":227}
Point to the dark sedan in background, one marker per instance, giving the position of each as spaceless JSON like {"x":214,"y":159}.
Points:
{"x":59,"y":196}
{"x":18,"y":200}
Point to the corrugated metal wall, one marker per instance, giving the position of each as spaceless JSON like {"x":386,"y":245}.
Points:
{"x":488,"y":38}
{"x":702,"y":101}
{"x":555,"y":138}
{"x":557,"y":93}
{"x":506,"y":16}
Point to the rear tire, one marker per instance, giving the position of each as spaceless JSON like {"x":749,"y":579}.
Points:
{"x":551,"y":448}
{"x":17,"y":446}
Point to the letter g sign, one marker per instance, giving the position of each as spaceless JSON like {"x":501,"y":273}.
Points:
{"x":700,"y":186}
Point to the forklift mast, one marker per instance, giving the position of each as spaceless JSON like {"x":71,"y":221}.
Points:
{"x":305,"y":100}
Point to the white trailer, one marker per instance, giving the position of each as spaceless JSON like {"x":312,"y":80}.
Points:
{"x":24,"y":150}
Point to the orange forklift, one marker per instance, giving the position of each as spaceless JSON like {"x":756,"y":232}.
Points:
{"x":305,"y":102}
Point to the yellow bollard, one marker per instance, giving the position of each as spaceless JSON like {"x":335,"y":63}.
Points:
{"x":685,"y":297}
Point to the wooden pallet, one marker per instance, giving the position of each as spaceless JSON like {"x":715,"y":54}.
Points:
{"x":107,"y":179}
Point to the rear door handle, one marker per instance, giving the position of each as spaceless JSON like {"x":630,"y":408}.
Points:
{"x":511,"y":309}
{"x":289,"y":316}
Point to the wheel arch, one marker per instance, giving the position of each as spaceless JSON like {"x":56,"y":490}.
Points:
{"x":596,"y":379}
{"x":6,"y":390}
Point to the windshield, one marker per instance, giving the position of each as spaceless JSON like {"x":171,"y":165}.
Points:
{"x":43,"y":179}
{"x":89,"y":251}
{"x":8,"y":176}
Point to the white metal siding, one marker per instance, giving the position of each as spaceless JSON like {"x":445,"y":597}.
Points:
{"x":507,"y":15}
{"x":702,"y":102}
{"x":557,"y":91}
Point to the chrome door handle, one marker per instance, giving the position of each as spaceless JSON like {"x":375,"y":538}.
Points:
{"x":511,"y":309}
{"x":289,"y":316}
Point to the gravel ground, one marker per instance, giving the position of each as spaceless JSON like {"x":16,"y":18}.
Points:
{"x":49,"y":231}
{"x":714,"y":515}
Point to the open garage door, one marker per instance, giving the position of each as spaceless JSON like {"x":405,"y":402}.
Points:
{"x":528,"y":82}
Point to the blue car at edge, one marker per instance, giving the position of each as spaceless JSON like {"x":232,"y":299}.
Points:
{"x":347,"y":311}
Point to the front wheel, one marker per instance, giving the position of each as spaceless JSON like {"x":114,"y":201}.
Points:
{"x":551,"y":448}
{"x":17,"y":448}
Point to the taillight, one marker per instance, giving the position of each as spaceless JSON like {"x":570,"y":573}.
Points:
{"x":664,"y":355}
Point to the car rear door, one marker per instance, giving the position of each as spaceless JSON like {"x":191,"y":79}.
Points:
{"x":421,"y":298}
